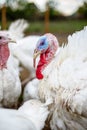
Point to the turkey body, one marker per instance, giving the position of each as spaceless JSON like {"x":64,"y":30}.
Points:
{"x":65,"y":83}
{"x":30,"y":116}
{"x":31,"y":90}
{"x":13,"y":116}
{"x":10,"y":84}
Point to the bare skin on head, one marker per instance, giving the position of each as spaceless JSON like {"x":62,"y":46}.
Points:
{"x":4,"y":50}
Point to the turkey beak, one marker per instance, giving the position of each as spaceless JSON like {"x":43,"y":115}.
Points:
{"x":11,"y":40}
{"x":36,"y":53}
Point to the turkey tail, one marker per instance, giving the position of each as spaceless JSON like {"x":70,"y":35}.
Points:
{"x":76,"y":47}
{"x":77,"y":43}
{"x":17,"y":28}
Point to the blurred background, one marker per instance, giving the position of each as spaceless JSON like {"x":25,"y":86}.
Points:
{"x":60,"y":17}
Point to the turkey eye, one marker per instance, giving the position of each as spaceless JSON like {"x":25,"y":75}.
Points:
{"x":0,"y":37}
{"x":42,"y":43}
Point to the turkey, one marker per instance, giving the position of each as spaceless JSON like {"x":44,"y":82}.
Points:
{"x":31,"y":88}
{"x":30,"y":116}
{"x":63,"y":78}
{"x":10,"y":85}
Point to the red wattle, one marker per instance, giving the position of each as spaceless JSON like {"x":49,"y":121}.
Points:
{"x":41,"y":66}
{"x":38,"y":74}
{"x":4,"y":55}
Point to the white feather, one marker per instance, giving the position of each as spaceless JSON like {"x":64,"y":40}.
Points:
{"x":30,"y":116}
{"x":16,"y":29}
{"x":31,"y":90}
{"x":23,"y":51}
{"x":10,"y":84}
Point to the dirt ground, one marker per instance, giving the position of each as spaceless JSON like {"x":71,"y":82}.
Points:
{"x":62,"y":38}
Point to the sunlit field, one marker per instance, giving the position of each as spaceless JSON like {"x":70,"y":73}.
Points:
{"x":68,"y":26}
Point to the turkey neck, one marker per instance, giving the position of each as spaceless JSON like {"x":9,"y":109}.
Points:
{"x":4,"y":55}
{"x":45,"y":59}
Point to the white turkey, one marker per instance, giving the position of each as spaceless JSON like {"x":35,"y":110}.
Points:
{"x":30,"y":116}
{"x":31,"y":88}
{"x":63,"y":78}
{"x":10,"y":85}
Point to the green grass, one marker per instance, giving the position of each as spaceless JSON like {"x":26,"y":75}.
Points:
{"x":68,"y":26}
{"x":61,"y":27}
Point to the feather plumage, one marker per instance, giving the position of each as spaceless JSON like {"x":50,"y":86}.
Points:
{"x":30,"y":116}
